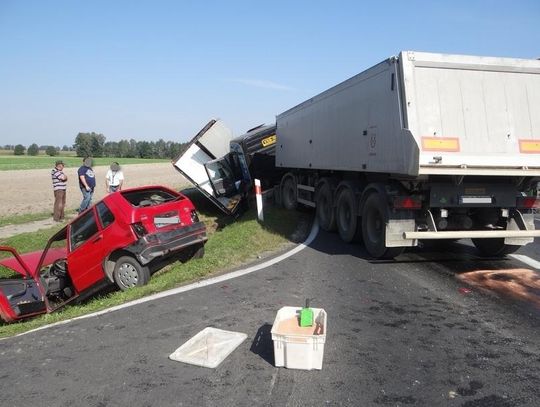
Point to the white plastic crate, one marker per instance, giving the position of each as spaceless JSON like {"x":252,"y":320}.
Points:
{"x":296,"y":347}
{"x":209,"y":347}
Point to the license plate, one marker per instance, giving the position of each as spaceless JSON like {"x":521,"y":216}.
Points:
{"x":159,"y":222}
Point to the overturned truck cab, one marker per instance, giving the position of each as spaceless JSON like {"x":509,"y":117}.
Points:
{"x":223,"y":167}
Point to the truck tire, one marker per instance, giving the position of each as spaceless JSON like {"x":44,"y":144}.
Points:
{"x":374,"y":219}
{"x":347,"y":214}
{"x":129,"y":273}
{"x":288,"y":194}
{"x":326,"y":215}
{"x":494,"y":247}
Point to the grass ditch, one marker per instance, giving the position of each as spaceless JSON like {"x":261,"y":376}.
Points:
{"x":230,"y":245}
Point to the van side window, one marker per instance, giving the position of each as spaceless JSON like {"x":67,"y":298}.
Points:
{"x":105,"y":215}
{"x":82,"y":229}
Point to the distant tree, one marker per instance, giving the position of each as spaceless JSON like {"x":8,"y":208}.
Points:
{"x":89,"y":144}
{"x":65,"y":148}
{"x":110,"y":149}
{"x":33,"y":149}
{"x":51,"y":151}
{"x":144,"y":149}
{"x":19,"y":149}
{"x":133,"y":152}
{"x":123,"y":148}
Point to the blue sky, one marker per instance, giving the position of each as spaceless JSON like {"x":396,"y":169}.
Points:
{"x":161,"y":69}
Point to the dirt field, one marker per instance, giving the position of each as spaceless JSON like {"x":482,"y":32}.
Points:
{"x":30,"y":191}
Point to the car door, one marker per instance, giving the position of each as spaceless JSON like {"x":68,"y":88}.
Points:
{"x":20,"y":297}
{"x":85,"y":257}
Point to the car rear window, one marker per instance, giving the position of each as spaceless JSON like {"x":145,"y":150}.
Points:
{"x":149,"y":197}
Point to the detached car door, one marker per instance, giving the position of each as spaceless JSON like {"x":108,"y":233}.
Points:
{"x":86,"y":251}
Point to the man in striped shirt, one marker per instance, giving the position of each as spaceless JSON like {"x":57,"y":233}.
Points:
{"x":59,"y":181}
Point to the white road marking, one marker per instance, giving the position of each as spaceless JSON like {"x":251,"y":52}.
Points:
{"x":189,"y":287}
{"x":527,"y":260}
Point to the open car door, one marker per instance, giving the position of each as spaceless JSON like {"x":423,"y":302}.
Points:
{"x":20,"y":297}
{"x":206,"y":164}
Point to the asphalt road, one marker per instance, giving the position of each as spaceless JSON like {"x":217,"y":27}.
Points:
{"x":399,"y":333}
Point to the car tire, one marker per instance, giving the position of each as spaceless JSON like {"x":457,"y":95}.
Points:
{"x":129,"y":273}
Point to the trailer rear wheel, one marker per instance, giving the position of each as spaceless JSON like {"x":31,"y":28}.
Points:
{"x":374,"y":219}
{"x":326,"y":214}
{"x":494,"y":247}
{"x":288,"y":194}
{"x":346,"y":214}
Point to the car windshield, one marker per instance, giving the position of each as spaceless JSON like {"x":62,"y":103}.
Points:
{"x":149,"y":197}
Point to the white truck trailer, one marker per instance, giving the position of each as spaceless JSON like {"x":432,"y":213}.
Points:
{"x":420,"y":146}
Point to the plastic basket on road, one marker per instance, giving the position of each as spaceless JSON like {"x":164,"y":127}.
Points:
{"x":298,"y":347}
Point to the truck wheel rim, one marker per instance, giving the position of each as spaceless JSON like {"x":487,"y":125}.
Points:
{"x":128,"y":275}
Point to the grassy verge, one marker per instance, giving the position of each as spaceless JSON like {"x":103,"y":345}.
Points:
{"x":26,"y":218}
{"x":25,"y":162}
{"x":229,"y":246}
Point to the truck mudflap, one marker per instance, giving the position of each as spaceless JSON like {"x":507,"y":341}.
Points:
{"x":162,"y":244}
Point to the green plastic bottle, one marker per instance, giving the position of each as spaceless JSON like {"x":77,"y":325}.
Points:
{"x":306,"y":315}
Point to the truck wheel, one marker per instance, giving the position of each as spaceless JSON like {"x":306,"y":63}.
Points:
{"x":374,"y":219}
{"x":288,"y":194}
{"x":325,"y":207}
{"x":129,"y":273}
{"x":494,"y":247}
{"x":346,"y":214}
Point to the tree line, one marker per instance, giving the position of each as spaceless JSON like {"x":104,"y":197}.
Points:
{"x":96,"y":145}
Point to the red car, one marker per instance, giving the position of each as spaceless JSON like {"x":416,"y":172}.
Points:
{"x":122,"y":239}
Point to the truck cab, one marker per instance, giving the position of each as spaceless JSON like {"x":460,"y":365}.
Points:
{"x":222,"y":167}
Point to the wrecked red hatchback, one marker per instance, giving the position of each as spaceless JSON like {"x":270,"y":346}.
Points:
{"x":121,"y":240}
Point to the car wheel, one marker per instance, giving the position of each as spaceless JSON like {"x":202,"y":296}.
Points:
{"x":129,"y":273}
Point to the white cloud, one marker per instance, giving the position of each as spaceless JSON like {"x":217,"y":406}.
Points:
{"x":258,"y":83}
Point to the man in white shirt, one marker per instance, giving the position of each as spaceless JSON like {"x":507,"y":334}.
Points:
{"x":114,"y":178}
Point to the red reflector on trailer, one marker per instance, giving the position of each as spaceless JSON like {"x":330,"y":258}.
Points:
{"x":528,"y":202}
{"x":407,"y":202}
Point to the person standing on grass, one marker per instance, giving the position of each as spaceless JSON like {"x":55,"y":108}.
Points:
{"x":59,"y":182}
{"x":114,"y":178}
{"x":87,"y":183}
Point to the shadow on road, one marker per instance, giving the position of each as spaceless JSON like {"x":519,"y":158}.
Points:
{"x":262,"y":344}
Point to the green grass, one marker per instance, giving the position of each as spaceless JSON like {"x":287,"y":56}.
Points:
{"x":27,"y":217}
{"x":25,"y":162}
{"x":229,"y":246}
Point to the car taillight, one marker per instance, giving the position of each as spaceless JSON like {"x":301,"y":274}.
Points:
{"x":407,"y":202}
{"x":194,"y":216}
{"x":528,"y":202}
{"x":139,"y":229}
